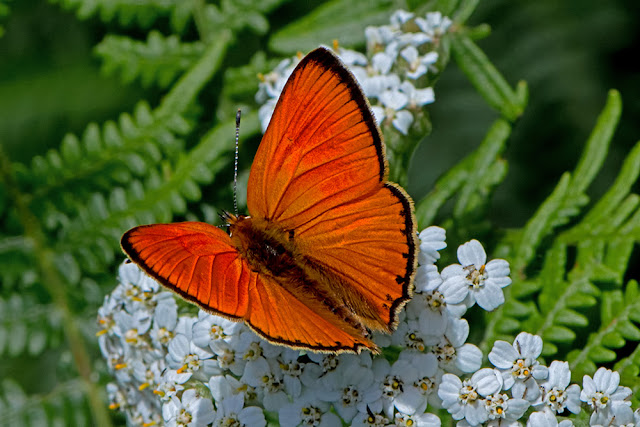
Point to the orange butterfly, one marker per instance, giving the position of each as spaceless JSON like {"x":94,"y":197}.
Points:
{"x":329,"y":251}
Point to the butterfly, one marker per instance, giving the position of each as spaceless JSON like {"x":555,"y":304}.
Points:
{"x":328,"y":252}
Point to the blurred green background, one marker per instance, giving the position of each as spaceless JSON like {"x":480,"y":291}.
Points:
{"x":570,"y":53}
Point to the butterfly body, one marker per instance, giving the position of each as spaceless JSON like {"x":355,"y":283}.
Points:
{"x":328,"y":252}
{"x":274,"y":253}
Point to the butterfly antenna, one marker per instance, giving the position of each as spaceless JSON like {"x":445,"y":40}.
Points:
{"x":235,"y":165}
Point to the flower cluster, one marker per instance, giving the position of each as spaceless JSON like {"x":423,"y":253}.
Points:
{"x":395,"y":75}
{"x":186,"y":370}
{"x":501,"y":396}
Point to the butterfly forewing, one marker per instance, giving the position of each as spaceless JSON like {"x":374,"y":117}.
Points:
{"x":321,"y":172}
{"x":194,"y":259}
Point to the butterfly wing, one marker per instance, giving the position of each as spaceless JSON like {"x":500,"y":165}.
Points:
{"x":321,"y":172}
{"x":197,"y":261}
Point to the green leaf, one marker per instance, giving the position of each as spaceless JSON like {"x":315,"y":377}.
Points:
{"x":486,"y":78}
{"x":159,"y":60}
{"x":540,"y":224}
{"x":597,"y":146}
{"x":486,"y":155}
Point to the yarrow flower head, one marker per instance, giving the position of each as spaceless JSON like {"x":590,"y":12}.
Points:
{"x":395,"y":75}
{"x":465,"y":399}
{"x":606,"y":397}
{"x":518,"y":365}
{"x":556,"y":393}
{"x":475,"y":279}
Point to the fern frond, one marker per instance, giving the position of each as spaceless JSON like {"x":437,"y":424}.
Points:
{"x":64,"y":405}
{"x":104,"y":156}
{"x":570,"y":193}
{"x":94,"y":235}
{"x":620,"y":316}
{"x":159,"y":60}
{"x":629,"y":368}
{"x":141,"y":12}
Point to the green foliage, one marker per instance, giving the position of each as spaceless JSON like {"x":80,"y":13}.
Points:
{"x":140,"y":12}
{"x":159,"y":60}
{"x":62,"y":215}
{"x":4,"y":11}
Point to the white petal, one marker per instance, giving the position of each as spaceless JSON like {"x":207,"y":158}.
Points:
{"x":489,"y":297}
{"x":528,"y":345}
{"x":403,"y":121}
{"x":468,"y":358}
{"x":472,"y":253}
{"x":457,"y":331}
{"x":517,"y":408}
{"x":382,"y":62}
{"x":423,"y":96}
{"x":588,"y":388}
{"x":378,"y":113}
{"x":542,"y":419}
{"x":409,"y":53}
{"x":503,"y":355}
{"x":487,"y":381}
{"x":453,"y":270}
{"x":454,"y":289}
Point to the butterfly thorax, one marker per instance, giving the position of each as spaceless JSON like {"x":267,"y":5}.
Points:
{"x":268,"y":249}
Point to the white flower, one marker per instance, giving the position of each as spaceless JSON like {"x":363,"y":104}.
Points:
{"x":418,"y":65}
{"x":231,"y":412}
{"x":519,"y":366}
{"x":606,"y":397}
{"x":465,"y":399}
{"x":434,"y":24}
{"x":397,"y":385}
{"x":133,"y":327}
{"x":369,"y":419}
{"x":290,"y":370}
{"x":504,"y":410}
{"x":170,"y":384}
{"x":209,"y":328}
{"x":187,"y":357}
{"x":308,"y":410}
{"x":417,"y":420}
{"x":474,"y":281}
{"x":409,"y":335}
{"x":260,"y":375}
{"x":557,"y":395}
{"x":451,"y":351}
{"x":546,"y":419}
{"x":191,"y":410}
{"x":227,"y":357}
{"x":400,"y":17}
{"x":353,"y":390}
{"x":223,"y":386}
{"x":417,"y":97}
